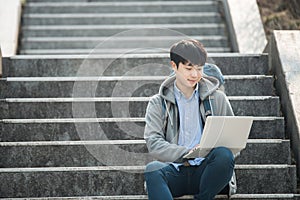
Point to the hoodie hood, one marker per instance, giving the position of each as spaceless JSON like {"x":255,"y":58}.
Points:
{"x":207,"y":85}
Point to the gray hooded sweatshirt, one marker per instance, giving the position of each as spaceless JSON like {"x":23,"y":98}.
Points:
{"x":162,"y":136}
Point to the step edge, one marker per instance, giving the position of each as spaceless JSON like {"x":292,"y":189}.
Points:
{"x":128,"y":56}
{"x":119,"y":78}
{"x":96,"y":120}
{"x":129,"y":168}
{"x":116,"y":15}
{"x":116,"y":99}
{"x":122,"y":26}
{"x":117,"y":38}
{"x":235,"y":196}
{"x":137,"y":3}
{"x":114,"y":142}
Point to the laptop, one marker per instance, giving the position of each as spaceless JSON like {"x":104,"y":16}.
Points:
{"x":227,"y":131}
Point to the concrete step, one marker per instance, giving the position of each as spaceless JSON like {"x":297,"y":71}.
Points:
{"x":104,"y":107}
{"x":186,"y":197}
{"x":74,"y":129}
{"x":142,"y":42}
{"x":109,"y":30}
{"x":109,"y":51}
{"x":121,"y":18}
{"x":127,"y":180}
{"x":120,"y":152}
{"x":121,"y":7}
{"x":265,"y":152}
{"x":36,"y":1}
{"x":24,"y":87}
{"x":123,"y":65}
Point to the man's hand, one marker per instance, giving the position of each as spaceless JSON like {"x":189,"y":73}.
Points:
{"x":194,"y":148}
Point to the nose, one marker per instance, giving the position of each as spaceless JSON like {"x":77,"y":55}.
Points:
{"x":194,"y":72}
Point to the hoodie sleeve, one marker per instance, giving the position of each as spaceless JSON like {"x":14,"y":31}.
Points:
{"x":155,"y":137}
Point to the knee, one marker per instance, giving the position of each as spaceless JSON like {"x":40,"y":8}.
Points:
{"x":223,"y":155}
{"x":154,"y":166}
{"x":153,"y":173}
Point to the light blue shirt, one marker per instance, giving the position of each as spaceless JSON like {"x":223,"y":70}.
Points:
{"x":190,"y":129}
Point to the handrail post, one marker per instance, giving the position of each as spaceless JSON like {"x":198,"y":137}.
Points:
{"x":0,"y":63}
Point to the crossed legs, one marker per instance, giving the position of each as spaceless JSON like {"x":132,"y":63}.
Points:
{"x":164,"y":181}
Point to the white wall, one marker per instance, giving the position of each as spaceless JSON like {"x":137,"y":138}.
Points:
{"x":10,"y":16}
{"x":285,"y":63}
{"x":245,"y":26}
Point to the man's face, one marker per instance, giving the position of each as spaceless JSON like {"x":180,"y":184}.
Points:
{"x":187,"y":75}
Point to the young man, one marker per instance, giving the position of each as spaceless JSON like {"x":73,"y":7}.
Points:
{"x":175,"y":118}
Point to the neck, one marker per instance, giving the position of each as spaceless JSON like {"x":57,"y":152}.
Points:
{"x":187,"y":91}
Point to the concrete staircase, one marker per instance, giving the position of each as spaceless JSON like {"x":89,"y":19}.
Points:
{"x":71,"y":126}
{"x":57,"y":144}
{"x":78,"y":26}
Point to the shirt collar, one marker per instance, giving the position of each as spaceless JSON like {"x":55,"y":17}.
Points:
{"x":179,"y":94}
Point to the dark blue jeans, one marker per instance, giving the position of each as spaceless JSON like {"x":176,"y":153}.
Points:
{"x":204,"y":182}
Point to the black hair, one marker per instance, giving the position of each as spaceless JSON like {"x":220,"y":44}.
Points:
{"x":188,"y":51}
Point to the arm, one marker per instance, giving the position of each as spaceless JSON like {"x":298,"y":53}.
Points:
{"x":222,"y":104}
{"x":158,"y":144}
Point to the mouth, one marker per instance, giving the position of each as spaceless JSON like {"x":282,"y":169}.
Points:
{"x":192,"y":81}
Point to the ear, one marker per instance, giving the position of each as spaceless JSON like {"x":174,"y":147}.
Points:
{"x":173,"y":65}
